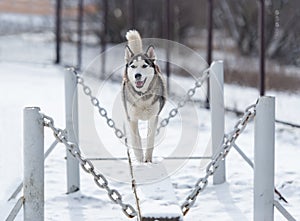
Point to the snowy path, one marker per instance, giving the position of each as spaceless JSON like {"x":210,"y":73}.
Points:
{"x":25,"y":85}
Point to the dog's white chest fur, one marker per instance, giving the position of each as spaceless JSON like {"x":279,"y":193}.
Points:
{"x":143,"y":110}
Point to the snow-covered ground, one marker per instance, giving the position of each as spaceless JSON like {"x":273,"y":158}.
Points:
{"x":36,"y":84}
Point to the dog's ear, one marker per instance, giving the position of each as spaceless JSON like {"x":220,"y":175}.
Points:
{"x":151,"y":53}
{"x":128,"y":54}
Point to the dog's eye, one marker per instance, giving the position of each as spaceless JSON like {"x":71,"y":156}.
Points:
{"x":132,"y":66}
{"x":144,"y":66}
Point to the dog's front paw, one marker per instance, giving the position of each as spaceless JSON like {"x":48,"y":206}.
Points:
{"x":138,"y":153}
{"x":148,"y":161}
{"x":148,"y":155}
{"x":140,"y":159}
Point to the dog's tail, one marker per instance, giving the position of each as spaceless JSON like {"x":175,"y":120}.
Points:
{"x":134,"y":41}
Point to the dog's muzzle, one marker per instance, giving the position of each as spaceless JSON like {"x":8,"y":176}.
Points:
{"x":139,"y":83}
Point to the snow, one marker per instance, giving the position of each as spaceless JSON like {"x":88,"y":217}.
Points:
{"x":155,"y":191}
{"x":27,"y":84}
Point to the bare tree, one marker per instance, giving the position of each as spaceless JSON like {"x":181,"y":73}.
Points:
{"x":282,"y":30}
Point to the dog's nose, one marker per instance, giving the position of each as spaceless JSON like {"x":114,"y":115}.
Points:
{"x":138,"y":76}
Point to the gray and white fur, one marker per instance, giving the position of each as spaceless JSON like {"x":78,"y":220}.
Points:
{"x":143,"y":93}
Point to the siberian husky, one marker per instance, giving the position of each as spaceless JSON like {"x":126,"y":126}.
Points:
{"x":143,"y":93}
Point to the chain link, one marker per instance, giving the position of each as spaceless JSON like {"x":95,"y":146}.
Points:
{"x":88,"y":167}
{"x":96,"y":103}
{"x":190,"y":93}
{"x":229,"y":140}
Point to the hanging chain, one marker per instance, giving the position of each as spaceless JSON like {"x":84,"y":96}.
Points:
{"x":217,"y":158}
{"x":190,"y":93}
{"x":88,"y":167}
{"x":96,"y":103}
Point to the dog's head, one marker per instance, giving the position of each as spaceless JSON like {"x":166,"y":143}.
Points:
{"x":140,"y":68}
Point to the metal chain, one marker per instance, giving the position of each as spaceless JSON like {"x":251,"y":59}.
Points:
{"x":217,"y":158}
{"x":88,"y":167}
{"x":190,"y":93}
{"x":96,"y":103}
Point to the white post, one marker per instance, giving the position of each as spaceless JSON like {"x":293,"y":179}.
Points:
{"x":71,"y":108}
{"x":33,"y":164}
{"x":216,"y":80}
{"x":264,"y":159}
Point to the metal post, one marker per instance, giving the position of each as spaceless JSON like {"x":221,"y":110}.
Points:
{"x":264,"y":159}
{"x":216,"y":80}
{"x":79,"y":33}
{"x":33,"y":164}
{"x":71,"y":107}
{"x":209,"y":43}
{"x":58,"y":30}
{"x":261,"y":31}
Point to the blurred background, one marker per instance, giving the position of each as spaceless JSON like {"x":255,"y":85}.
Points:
{"x":258,"y":40}
{"x":73,"y":32}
